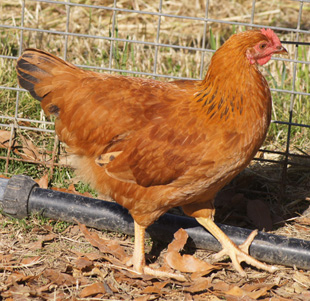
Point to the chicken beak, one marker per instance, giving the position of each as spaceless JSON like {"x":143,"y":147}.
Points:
{"x":281,"y":49}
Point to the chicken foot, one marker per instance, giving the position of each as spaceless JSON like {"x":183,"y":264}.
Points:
{"x":236,"y":253}
{"x":138,"y":258}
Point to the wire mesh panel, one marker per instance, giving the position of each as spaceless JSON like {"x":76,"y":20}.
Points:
{"x":162,"y":39}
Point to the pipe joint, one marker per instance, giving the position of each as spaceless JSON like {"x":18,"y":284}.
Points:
{"x":16,"y":196}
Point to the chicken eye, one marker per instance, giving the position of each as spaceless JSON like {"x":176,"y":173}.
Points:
{"x":262,"y":46}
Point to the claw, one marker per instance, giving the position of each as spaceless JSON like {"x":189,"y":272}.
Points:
{"x":236,"y":253}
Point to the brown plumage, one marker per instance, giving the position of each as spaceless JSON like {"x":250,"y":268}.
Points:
{"x":154,"y":145}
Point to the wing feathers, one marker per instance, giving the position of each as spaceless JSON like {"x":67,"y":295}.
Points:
{"x":97,"y":114}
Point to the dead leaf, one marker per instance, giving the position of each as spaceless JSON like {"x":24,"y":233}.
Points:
{"x":302,"y":228}
{"x":73,"y":230}
{"x":188,"y":263}
{"x":143,"y":298}
{"x":42,"y":229}
{"x":259,"y":293}
{"x":18,"y":277}
{"x":151,"y":290}
{"x":180,"y":238}
{"x":16,"y":291}
{"x":302,"y":279}
{"x":91,"y":256}
{"x":37,"y":245}
{"x":83,"y":263}
{"x":93,"y":290}
{"x":259,"y":213}
{"x":5,"y":139}
{"x":109,"y":289}
{"x":40,"y":243}
{"x":43,"y":181}
{"x":156,"y":288}
{"x":6,"y":258}
{"x":199,"y":285}
{"x":305,"y":295}
{"x":202,"y":273}
{"x":236,"y":291}
{"x":30,"y":151}
{"x":185,"y":263}
{"x":105,"y":246}
{"x":43,"y":288}
{"x":71,"y":189}
{"x":59,"y":278}
{"x":221,"y":286}
{"x":31,"y":260}
{"x":248,"y":291}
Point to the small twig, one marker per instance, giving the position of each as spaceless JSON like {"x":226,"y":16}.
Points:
{"x":73,"y":240}
{"x":56,"y":142}
{"x":35,"y":161}
{"x":304,"y":285}
{"x":3,"y":267}
{"x":295,"y":202}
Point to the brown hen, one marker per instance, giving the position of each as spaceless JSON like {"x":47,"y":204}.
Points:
{"x":154,"y":145}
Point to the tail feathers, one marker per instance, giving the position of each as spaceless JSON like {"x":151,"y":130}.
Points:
{"x":26,"y":80}
{"x":35,"y":69}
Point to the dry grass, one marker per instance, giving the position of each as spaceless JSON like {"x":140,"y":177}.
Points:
{"x":45,"y":260}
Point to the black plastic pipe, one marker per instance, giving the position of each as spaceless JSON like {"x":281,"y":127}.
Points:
{"x":20,"y":196}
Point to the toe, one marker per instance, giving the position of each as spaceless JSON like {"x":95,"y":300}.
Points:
{"x":245,"y":246}
{"x":163,"y":274}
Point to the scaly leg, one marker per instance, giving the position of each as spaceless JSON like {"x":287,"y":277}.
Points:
{"x":236,"y":254}
{"x":138,"y":258}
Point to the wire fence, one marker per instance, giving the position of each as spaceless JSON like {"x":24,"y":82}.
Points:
{"x":25,"y":27}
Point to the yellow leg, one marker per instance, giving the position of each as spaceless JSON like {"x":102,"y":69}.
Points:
{"x":138,"y":258}
{"x":236,"y":254}
{"x":139,"y":250}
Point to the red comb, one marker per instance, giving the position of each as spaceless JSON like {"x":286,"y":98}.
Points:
{"x":269,"y":33}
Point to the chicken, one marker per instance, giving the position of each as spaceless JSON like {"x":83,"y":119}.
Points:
{"x":153,"y":145}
